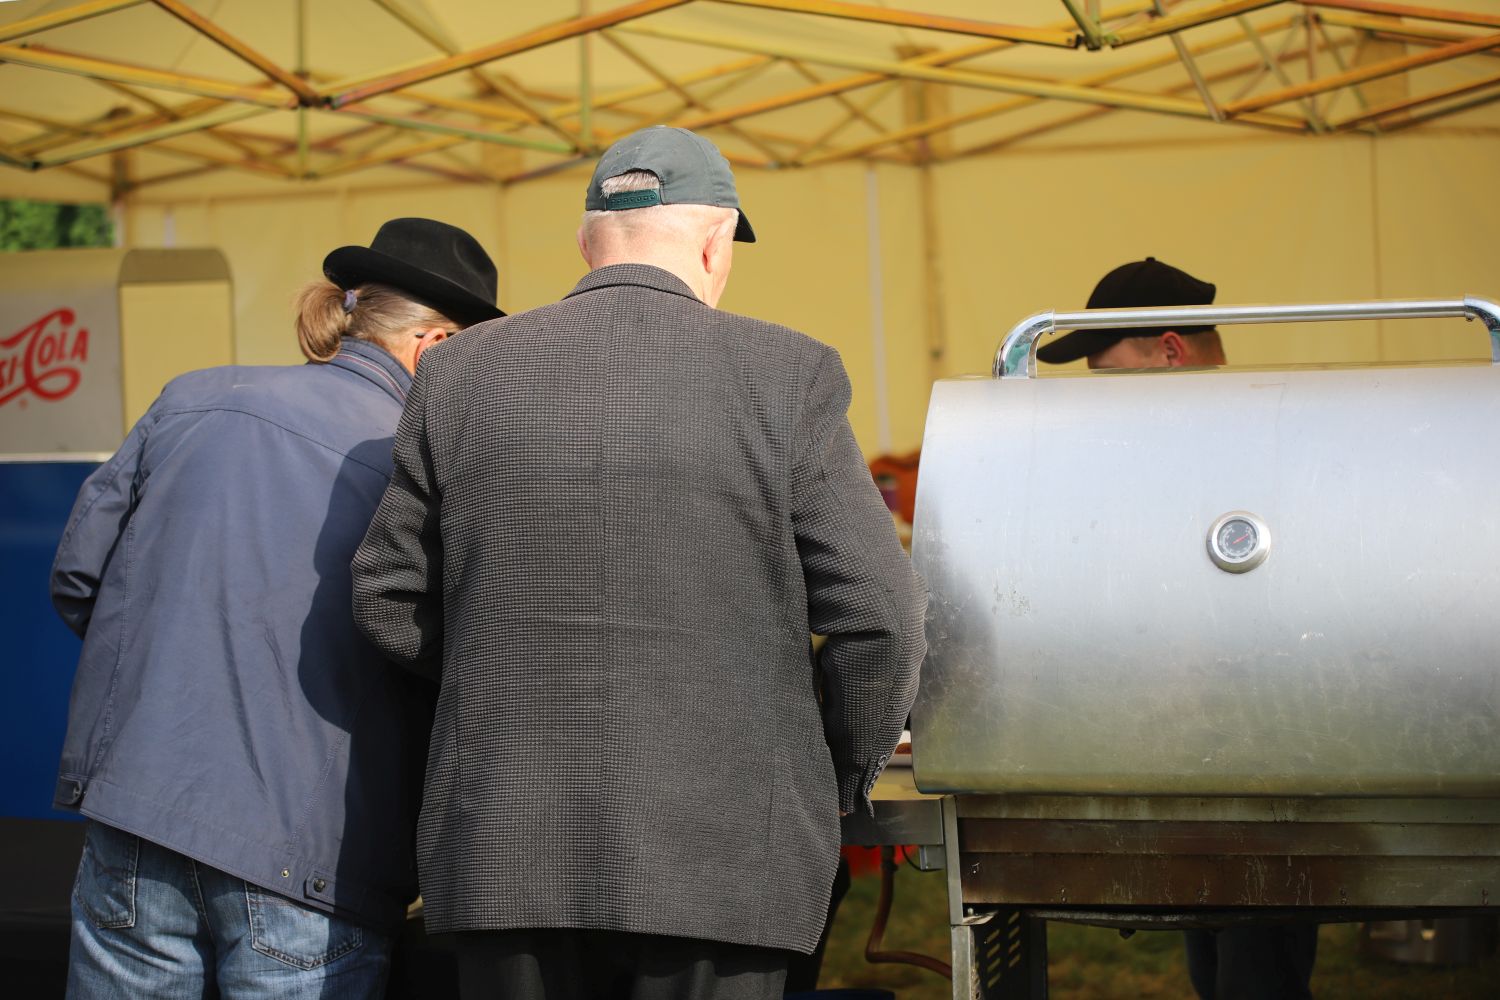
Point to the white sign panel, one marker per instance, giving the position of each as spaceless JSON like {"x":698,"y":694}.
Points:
{"x":60,"y":352}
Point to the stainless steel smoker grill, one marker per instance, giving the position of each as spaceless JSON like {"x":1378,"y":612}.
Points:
{"x":1208,"y":646}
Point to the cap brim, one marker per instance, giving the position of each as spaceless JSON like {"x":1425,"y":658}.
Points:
{"x":1079,"y":344}
{"x":349,"y":267}
{"x":742,"y":231}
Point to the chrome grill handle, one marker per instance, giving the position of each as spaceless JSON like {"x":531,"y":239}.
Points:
{"x":1016,"y":356}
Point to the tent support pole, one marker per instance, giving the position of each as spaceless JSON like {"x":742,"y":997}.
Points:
{"x":847,"y":104}
{"x":1093,"y":36}
{"x":305,"y":93}
{"x":525,"y":42}
{"x":443,"y":128}
{"x":1338,"y":60}
{"x":1406,"y":10}
{"x":223,"y":115}
{"x":65,"y":62}
{"x":1187,"y":19}
{"x":971,"y":78}
{"x":800,"y":158}
{"x":585,"y":85}
{"x":684,"y":94}
{"x":1407,"y":103}
{"x":432,"y":145}
{"x":1363,"y":74}
{"x":1449,"y":109}
{"x":112,"y":125}
{"x":1188,"y":63}
{"x":1036,"y":130}
{"x":166,"y":113}
{"x":979,"y":114}
{"x":68,"y":15}
{"x":914,"y":19}
{"x":1273,"y":64}
{"x":860,"y":80}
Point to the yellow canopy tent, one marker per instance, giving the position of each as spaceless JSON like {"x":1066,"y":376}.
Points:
{"x":921,"y":174}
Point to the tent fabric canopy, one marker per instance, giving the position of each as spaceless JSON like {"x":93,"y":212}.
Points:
{"x":137,"y":94}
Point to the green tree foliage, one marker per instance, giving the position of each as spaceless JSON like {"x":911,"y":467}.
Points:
{"x":46,"y":225}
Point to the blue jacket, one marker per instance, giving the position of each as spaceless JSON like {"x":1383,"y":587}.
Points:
{"x":225,"y":704}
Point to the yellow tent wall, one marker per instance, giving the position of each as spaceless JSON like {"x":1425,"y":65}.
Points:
{"x":1266,"y":219}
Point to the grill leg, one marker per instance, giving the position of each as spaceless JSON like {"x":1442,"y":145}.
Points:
{"x":1003,"y":957}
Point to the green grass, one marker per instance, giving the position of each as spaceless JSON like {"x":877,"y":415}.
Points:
{"x":1090,"y":963}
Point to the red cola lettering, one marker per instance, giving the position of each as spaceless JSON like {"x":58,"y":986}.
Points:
{"x":40,"y":358}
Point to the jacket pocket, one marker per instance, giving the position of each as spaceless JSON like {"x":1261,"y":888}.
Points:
{"x":105,"y":887}
{"x":297,"y":935}
{"x":803,"y":837}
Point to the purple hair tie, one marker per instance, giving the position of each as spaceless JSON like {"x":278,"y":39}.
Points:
{"x":351,"y":298}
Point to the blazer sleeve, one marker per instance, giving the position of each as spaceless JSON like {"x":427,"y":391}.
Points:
{"x":861,"y":590}
{"x":398,"y":568}
{"x":98,"y":522}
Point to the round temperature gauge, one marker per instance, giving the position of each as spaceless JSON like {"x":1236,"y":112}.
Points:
{"x":1238,"y":542}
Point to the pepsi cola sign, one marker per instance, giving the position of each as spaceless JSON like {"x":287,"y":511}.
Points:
{"x":43,"y":360}
{"x":60,"y":361}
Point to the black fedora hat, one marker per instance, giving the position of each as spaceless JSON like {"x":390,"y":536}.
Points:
{"x":435,"y":263}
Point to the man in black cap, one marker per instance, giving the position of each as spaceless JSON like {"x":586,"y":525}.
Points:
{"x":1143,"y":283}
{"x":1249,"y":962}
{"x":615,"y":521}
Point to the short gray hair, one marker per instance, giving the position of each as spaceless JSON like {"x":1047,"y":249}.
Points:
{"x":630,"y":180}
{"x":659,"y":221}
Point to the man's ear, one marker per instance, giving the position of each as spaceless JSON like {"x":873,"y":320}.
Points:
{"x":583,"y":248}
{"x":1174,"y":349}
{"x":430,"y":337}
{"x":720,"y":238}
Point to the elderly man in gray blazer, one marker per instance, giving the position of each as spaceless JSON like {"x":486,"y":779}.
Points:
{"x":613,"y":524}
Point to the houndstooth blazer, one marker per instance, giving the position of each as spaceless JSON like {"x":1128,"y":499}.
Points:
{"x":614,"y":522}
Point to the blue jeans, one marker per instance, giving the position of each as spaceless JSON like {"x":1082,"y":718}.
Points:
{"x":149,"y":922}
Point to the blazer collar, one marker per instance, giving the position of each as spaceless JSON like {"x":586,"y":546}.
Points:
{"x":641,"y":275}
{"x":374,"y":364}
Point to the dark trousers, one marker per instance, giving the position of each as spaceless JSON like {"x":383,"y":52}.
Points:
{"x":1253,"y":961}
{"x":600,"y":965}
{"x":803,"y":970}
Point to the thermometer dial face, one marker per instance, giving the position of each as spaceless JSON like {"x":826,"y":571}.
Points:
{"x":1236,"y":539}
{"x":1238,"y":542}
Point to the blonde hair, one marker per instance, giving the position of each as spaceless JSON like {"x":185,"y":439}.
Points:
{"x":379,"y":314}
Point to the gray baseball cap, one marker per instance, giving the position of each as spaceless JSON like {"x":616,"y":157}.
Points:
{"x":691,"y":169}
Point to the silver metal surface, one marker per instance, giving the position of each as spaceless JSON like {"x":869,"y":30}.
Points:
{"x":896,"y":821}
{"x":57,"y":456}
{"x":953,"y":869}
{"x":1094,"y":851}
{"x":1016,"y":357}
{"x":1130,"y":810}
{"x":1211,"y":919}
{"x":1082,"y":644}
{"x":1228,"y":561}
{"x":1488,"y":313}
{"x":966,"y":982}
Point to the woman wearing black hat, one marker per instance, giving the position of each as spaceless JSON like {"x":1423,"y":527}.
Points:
{"x":250,"y":764}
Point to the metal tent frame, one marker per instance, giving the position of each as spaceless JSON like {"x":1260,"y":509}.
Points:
{"x":1278,"y":65}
